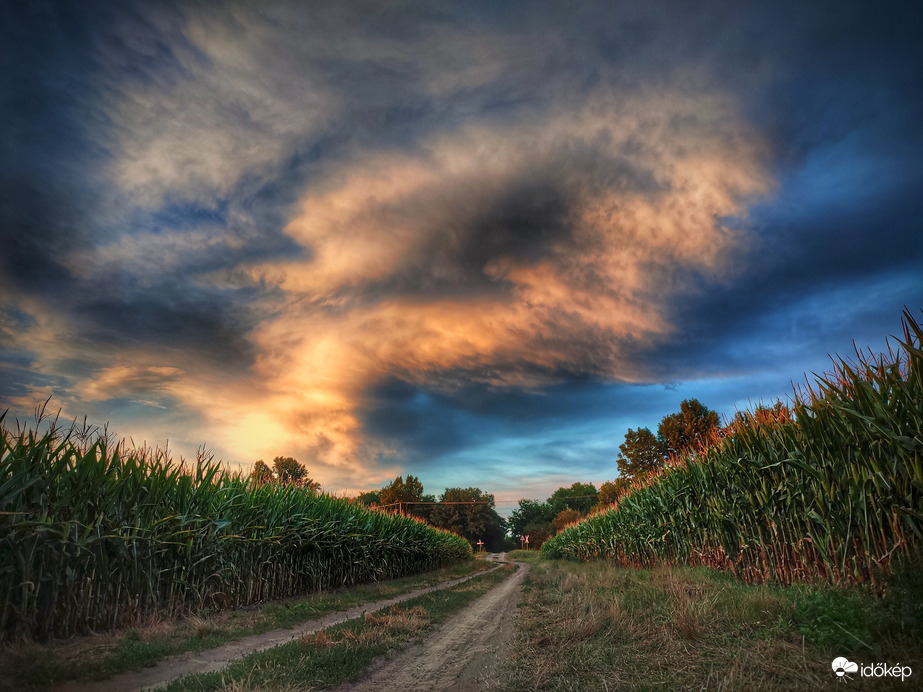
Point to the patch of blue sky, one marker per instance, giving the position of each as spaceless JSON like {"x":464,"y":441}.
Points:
{"x":178,"y":216}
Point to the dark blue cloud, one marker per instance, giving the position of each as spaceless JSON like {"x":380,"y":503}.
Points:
{"x":832,"y":254}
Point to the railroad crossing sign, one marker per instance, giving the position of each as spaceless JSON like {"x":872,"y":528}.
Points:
{"x":480,"y":545}
{"x":524,"y":540}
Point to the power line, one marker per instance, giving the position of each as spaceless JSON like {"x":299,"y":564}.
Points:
{"x":479,"y":502}
{"x":471,"y":502}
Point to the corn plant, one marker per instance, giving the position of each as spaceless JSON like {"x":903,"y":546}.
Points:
{"x":832,"y":491}
{"x":94,"y":534}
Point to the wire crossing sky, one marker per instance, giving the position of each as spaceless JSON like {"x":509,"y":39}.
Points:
{"x":474,"y":242}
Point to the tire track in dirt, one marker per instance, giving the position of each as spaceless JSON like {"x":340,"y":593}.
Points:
{"x":211,"y":660}
{"x":463,"y":655}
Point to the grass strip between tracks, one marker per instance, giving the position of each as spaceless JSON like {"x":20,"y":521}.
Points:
{"x":326,"y":659}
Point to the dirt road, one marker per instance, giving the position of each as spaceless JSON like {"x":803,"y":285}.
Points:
{"x":217,"y":658}
{"x":464,"y":654}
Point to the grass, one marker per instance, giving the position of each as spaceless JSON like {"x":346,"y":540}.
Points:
{"x":37,"y":666}
{"x":342,"y":653}
{"x":597,"y":626}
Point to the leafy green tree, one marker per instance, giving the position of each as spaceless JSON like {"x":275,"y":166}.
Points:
{"x":563,"y":518}
{"x":475,"y":520}
{"x":530,"y":513}
{"x":373,"y":497}
{"x":261,"y":473}
{"x":408,"y":489}
{"x":402,"y":490}
{"x":538,"y":532}
{"x":285,"y":471}
{"x":778,"y":412}
{"x":610,"y":491}
{"x":640,"y":453}
{"x":686,"y":429}
{"x":424,"y":511}
{"x":289,"y":471}
{"x":580,"y":497}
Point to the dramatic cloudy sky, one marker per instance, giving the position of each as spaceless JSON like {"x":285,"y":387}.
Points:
{"x":470,"y":241}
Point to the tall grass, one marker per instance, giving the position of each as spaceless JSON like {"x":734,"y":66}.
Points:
{"x":832,"y":491}
{"x":95,"y":533}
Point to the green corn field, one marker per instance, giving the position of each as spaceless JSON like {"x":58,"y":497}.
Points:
{"x":95,"y":534}
{"x":829,"y":491}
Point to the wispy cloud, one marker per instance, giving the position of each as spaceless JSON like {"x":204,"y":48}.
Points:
{"x":376,"y":235}
{"x":508,"y":254}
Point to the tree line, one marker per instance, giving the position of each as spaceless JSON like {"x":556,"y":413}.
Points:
{"x":471,"y":513}
{"x":468,"y":512}
{"x":641,"y":454}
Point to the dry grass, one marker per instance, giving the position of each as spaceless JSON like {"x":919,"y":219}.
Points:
{"x":384,"y":628}
{"x":596,"y":627}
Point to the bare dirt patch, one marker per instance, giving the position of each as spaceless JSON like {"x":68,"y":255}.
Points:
{"x":464,"y":654}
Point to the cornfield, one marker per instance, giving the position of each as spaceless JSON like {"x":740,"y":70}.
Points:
{"x":829,"y":491}
{"x":93,"y":534}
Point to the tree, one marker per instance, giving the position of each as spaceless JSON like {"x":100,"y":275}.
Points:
{"x":401,"y":490}
{"x":410,"y":490}
{"x":288,"y":471}
{"x":424,"y":511}
{"x":745,"y":420}
{"x":688,"y":428}
{"x":261,"y":473}
{"x":373,"y":497}
{"x":610,"y":491}
{"x":473,"y":521}
{"x":641,"y":453}
{"x":538,"y":533}
{"x":580,"y":497}
{"x":563,"y":518}
{"x":285,"y":471}
{"x":531,"y":513}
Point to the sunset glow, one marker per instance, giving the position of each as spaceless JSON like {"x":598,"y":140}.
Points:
{"x":473,"y":243}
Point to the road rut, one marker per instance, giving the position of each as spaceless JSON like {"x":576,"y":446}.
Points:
{"x":463,"y":655}
{"x":215,"y":659}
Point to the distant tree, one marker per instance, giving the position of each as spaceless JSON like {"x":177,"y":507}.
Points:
{"x":473,"y":521}
{"x":409,"y":490}
{"x":610,"y":491}
{"x":530,"y":512}
{"x":565,"y":517}
{"x":777,"y":413}
{"x":373,"y":497}
{"x":284,"y":471}
{"x":424,"y":511}
{"x":641,"y":452}
{"x":686,"y":429}
{"x":261,"y":473}
{"x":580,"y":497}
{"x":289,"y":471}
{"x":538,"y":532}
{"x":402,"y":490}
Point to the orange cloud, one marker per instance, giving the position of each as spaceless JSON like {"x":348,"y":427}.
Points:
{"x":128,"y":381}
{"x":645,"y":200}
{"x":508,"y":254}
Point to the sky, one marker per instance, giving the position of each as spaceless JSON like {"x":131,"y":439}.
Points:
{"x":470,"y":241}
